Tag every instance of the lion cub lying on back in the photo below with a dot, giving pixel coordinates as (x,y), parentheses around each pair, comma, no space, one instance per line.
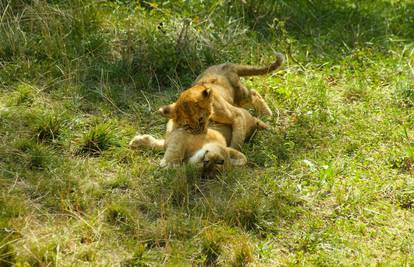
(209,148)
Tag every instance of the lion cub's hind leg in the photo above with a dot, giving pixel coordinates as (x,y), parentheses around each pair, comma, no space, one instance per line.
(148,141)
(260,104)
(251,98)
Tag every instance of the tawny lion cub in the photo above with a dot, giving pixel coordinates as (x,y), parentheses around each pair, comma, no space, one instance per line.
(209,148)
(217,95)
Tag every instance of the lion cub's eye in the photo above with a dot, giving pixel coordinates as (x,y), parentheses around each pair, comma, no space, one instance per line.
(220,162)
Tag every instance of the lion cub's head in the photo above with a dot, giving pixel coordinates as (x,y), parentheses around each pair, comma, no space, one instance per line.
(192,109)
(214,161)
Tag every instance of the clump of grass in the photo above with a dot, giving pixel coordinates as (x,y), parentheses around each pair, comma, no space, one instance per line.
(87,254)
(120,216)
(405,198)
(7,253)
(11,207)
(138,259)
(48,127)
(245,213)
(23,95)
(38,254)
(404,160)
(211,245)
(221,245)
(355,92)
(405,93)
(180,184)
(243,254)
(97,139)
(121,183)
(34,156)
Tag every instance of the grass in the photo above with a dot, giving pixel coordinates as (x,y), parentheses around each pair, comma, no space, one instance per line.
(331,184)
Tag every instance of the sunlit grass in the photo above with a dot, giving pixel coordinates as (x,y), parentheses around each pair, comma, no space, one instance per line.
(331,184)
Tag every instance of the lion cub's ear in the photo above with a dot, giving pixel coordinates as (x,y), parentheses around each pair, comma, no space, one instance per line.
(207,92)
(167,111)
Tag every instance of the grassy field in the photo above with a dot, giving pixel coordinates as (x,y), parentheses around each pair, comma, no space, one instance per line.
(331,184)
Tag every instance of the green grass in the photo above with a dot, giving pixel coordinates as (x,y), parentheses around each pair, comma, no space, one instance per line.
(332,184)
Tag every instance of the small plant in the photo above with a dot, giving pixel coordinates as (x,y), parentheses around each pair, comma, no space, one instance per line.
(355,92)
(404,160)
(97,139)
(243,254)
(120,182)
(138,259)
(35,156)
(405,94)
(245,212)
(120,216)
(211,246)
(24,94)
(48,127)
(405,198)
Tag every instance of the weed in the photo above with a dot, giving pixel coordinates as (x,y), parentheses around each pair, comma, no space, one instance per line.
(33,155)
(138,259)
(97,139)
(48,127)
(405,94)
(23,95)
(119,216)
(211,246)
(243,254)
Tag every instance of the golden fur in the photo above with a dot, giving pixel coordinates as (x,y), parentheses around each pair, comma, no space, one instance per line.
(218,95)
(209,149)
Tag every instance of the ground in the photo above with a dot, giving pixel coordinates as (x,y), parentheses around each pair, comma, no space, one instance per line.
(330,184)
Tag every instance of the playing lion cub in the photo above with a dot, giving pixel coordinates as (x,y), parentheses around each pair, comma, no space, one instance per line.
(209,148)
(217,95)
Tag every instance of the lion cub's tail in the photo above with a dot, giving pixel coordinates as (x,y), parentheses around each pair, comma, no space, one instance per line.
(246,70)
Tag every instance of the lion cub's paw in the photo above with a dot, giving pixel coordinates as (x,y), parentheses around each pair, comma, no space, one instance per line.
(144,140)
(163,163)
(267,111)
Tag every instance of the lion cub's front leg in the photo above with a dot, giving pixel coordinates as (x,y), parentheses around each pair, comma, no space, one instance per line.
(174,155)
(175,149)
(225,113)
(146,140)
(239,131)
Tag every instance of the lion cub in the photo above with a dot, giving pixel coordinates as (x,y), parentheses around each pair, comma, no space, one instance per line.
(217,95)
(181,146)
(216,158)
(209,148)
